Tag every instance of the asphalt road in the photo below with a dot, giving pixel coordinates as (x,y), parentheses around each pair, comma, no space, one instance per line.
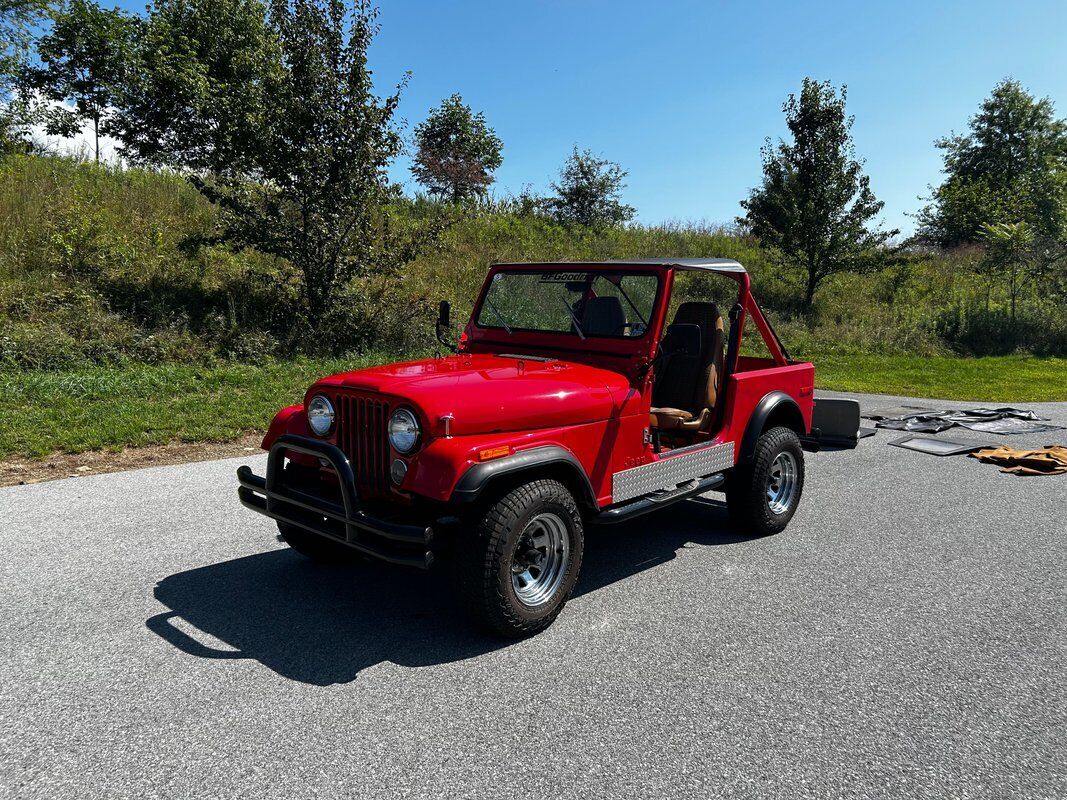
(905,637)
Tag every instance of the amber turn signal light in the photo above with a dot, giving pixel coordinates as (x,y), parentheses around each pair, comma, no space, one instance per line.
(493,452)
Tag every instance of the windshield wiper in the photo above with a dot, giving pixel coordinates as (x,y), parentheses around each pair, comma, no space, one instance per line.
(574,319)
(499,316)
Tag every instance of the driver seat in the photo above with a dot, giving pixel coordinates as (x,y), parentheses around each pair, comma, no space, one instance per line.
(685,393)
(603,316)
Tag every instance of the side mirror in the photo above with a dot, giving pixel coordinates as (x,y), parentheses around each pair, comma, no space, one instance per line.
(444,324)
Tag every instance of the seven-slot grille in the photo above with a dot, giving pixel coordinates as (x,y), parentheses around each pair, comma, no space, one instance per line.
(361,434)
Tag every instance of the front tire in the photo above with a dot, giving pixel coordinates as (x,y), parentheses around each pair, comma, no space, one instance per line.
(521,564)
(762,496)
(317,547)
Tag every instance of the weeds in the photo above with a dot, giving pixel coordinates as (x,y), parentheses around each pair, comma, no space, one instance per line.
(103,266)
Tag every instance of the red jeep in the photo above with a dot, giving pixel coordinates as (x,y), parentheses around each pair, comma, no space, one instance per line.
(578,393)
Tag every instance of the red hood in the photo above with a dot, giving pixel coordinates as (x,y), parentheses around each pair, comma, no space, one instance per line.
(487,393)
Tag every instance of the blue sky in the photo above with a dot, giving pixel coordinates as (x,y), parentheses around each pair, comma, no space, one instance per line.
(683,93)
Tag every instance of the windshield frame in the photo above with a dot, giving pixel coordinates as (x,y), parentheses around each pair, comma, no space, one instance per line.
(535,269)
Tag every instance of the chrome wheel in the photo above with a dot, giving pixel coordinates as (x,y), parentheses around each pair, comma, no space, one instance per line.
(782,483)
(540,561)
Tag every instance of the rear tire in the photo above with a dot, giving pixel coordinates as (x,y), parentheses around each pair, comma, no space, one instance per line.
(763,495)
(520,564)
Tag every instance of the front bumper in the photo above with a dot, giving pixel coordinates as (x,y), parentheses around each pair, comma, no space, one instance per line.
(345,522)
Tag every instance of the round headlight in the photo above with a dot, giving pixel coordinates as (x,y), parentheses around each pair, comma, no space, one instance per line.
(403,431)
(320,415)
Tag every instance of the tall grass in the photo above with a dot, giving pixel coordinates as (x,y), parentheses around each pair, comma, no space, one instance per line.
(46,203)
(99,266)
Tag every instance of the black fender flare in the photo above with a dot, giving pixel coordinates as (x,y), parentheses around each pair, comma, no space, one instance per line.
(472,482)
(777,403)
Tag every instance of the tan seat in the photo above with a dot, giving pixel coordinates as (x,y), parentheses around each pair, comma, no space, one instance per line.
(673,419)
(684,396)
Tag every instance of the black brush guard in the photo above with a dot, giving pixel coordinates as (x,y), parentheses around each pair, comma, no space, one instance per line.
(346,522)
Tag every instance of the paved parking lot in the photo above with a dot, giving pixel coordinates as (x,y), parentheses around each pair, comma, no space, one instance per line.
(905,637)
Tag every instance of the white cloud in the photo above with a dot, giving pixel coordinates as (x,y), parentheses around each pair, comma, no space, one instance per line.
(82,144)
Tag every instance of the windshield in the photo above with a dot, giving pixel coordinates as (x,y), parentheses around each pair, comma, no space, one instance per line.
(584,303)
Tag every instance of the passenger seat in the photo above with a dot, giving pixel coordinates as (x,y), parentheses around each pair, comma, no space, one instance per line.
(686,390)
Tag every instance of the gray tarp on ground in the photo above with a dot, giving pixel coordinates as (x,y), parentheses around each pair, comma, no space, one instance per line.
(987,420)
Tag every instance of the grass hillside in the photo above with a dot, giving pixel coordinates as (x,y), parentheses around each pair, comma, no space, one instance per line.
(101,266)
(117,327)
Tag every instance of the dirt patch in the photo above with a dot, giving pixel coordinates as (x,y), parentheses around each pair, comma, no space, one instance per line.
(15,471)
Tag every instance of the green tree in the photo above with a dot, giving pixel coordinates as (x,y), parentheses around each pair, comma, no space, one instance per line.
(589,192)
(197,98)
(18,21)
(85,60)
(320,194)
(456,152)
(1009,252)
(815,205)
(1010,167)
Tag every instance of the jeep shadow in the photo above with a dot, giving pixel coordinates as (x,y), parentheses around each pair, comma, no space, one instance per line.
(323,625)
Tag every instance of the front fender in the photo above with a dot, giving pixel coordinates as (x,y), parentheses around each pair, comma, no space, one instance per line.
(449,469)
(478,476)
(289,420)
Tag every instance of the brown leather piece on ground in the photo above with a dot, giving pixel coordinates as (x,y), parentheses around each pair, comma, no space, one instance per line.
(1049,460)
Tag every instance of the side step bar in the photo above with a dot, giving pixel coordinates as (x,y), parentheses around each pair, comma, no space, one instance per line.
(660,499)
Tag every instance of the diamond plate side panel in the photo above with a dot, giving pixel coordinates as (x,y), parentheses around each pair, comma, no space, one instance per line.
(670,471)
